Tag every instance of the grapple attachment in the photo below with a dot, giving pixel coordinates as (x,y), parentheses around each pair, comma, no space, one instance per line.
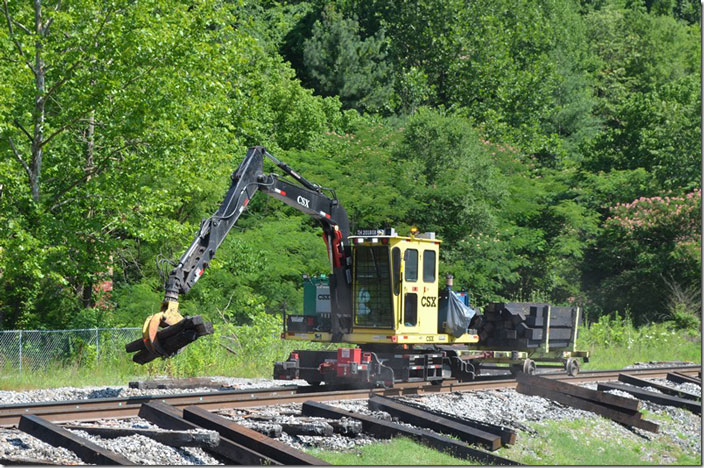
(165,334)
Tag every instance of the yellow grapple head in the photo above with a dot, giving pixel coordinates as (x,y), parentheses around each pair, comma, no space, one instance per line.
(166,317)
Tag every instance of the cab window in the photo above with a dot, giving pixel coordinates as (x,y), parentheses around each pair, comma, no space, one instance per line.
(429,266)
(372,270)
(396,263)
(411,258)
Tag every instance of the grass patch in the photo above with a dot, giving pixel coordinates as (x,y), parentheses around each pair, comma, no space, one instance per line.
(594,441)
(67,376)
(613,343)
(397,451)
(252,352)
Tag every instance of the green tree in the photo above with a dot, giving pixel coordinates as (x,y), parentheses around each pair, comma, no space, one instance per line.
(88,89)
(141,115)
(341,63)
(647,76)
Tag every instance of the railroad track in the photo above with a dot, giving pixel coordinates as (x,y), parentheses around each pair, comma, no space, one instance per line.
(116,408)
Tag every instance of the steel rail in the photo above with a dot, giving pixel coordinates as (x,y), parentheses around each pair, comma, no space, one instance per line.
(115,408)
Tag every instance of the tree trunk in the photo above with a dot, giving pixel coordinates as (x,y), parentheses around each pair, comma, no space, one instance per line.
(39,104)
(88,286)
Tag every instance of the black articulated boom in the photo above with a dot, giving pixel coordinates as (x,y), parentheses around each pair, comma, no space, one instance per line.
(165,333)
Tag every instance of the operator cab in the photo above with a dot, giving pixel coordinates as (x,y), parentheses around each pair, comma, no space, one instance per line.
(395,294)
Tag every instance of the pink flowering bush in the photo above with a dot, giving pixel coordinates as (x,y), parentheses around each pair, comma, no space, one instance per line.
(660,219)
(651,247)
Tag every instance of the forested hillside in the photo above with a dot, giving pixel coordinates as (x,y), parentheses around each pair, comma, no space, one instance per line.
(553,145)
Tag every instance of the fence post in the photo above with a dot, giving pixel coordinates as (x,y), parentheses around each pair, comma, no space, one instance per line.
(97,346)
(20,352)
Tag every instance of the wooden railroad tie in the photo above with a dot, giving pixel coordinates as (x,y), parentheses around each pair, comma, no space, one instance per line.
(508,436)
(169,417)
(629,379)
(659,398)
(25,461)
(386,430)
(437,423)
(57,436)
(193,382)
(306,426)
(678,377)
(619,409)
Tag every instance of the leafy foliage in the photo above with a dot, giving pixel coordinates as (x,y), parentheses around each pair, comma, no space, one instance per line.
(654,239)
(341,63)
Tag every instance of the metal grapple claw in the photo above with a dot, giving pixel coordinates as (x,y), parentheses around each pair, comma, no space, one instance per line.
(166,333)
(166,317)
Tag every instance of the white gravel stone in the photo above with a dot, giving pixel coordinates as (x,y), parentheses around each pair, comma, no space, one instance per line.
(651,364)
(17,444)
(685,430)
(694,389)
(145,451)
(241,383)
(503,407)
(87,393)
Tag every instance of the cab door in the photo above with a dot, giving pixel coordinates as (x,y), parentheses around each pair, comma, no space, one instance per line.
(410,289)
(428,289)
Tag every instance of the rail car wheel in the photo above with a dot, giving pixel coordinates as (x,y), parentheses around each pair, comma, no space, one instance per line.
(529,367)
(572,367)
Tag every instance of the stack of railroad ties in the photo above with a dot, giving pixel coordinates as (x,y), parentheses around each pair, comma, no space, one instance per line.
(523,325)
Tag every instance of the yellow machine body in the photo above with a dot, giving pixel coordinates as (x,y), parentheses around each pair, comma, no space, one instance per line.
(395,294)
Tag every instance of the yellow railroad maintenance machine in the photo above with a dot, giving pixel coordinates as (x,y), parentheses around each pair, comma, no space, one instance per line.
(382,296)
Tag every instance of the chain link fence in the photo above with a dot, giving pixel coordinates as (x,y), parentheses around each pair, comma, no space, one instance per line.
(31,350)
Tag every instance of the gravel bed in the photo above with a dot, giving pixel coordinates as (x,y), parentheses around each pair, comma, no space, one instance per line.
(335,443)
(17,444)
(650,364)
(694,389)
(288,414)
(139,449)
(683,426)
(127,423)
(87,393)
(142,450)
(504,407)
(240,383)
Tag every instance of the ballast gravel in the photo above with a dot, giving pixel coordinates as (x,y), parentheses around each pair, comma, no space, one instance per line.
(142,450)
(16,444)
(503,407)
(89,393)
(138,449)
(290,413)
